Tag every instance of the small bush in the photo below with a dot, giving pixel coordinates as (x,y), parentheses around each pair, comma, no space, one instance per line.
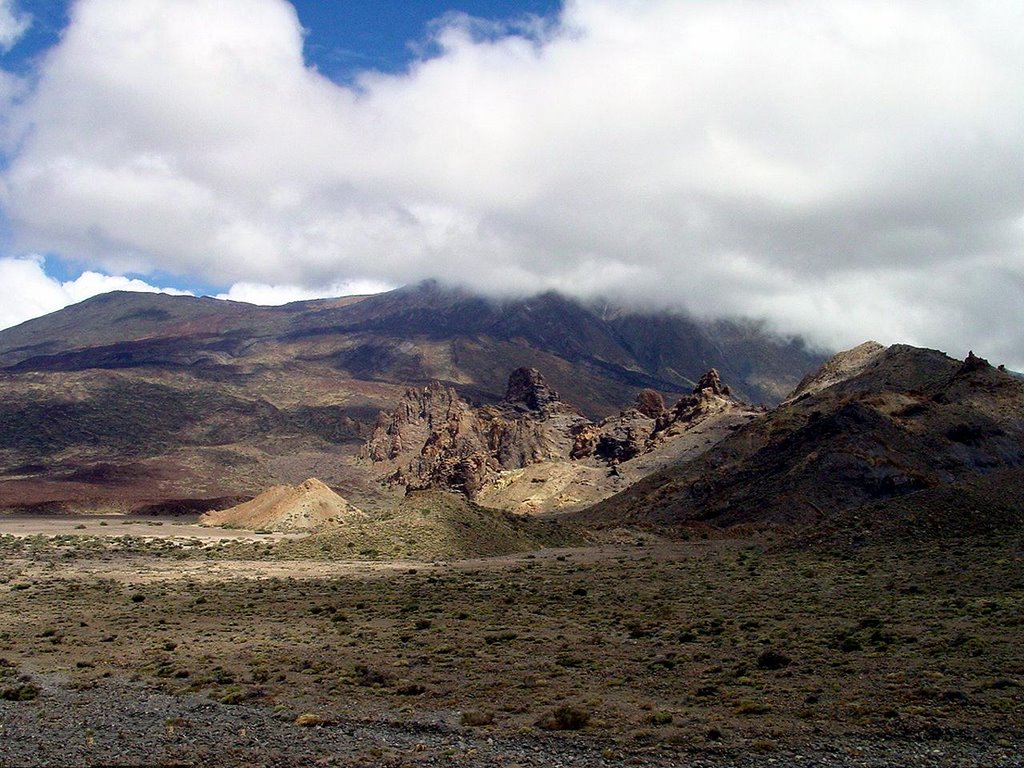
(748,707)
(772,659)
(565,718)
(475,718)
(369,677)
(310,719)
(20,692)
(660,718)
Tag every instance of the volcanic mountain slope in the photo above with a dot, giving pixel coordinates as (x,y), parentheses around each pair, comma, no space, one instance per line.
(534,453)
(872,424)
(306,507)
(414,335)
(141,399)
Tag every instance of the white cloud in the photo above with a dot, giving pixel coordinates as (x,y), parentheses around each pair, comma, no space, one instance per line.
(851,169)
(26,291)
(275,295)
(13,24)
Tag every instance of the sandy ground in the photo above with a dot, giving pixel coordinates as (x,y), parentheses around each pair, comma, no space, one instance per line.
(122,525)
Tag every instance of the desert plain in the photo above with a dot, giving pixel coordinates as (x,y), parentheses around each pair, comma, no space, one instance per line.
(156,641)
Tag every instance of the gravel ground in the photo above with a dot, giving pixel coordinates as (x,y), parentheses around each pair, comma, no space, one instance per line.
(121,724)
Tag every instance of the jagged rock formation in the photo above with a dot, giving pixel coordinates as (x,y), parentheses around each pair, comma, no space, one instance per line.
(309,506)
(638,429)
(872,424)
(527,389)
(436,439)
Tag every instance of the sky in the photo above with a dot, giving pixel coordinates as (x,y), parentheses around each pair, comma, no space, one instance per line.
(843,169)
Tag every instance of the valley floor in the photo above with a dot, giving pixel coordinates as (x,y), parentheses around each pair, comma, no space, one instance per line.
(708,653)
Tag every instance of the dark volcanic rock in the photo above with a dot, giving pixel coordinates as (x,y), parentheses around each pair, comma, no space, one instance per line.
(527,387)
(974,363)
(711,382)
(650,403)
(872,424)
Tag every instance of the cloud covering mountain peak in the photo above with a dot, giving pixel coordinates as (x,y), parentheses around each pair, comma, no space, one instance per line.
(846,169)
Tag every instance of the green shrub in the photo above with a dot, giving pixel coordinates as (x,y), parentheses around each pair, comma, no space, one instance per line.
(20,692)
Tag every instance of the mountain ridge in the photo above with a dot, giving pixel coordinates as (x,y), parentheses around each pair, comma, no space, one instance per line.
(901,420)
(190,397)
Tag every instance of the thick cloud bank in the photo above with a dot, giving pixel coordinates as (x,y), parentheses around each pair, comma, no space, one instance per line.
(848,169)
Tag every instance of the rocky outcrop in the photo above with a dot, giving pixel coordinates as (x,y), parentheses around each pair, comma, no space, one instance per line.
(650,403)
(435,439)
(637,430)
(711,382)
(973,363)
(527,388)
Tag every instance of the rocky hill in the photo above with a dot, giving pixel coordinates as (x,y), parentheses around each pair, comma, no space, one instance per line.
(873,424)
(127,400)
(532,452)
(310,506)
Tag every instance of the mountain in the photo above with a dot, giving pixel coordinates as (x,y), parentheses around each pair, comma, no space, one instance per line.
(597,355)
(128,400)
(873,424)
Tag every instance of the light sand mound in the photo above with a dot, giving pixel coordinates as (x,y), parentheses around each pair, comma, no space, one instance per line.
(306,507)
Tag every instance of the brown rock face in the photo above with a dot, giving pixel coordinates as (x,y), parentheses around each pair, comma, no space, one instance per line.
(585,442)
(650,403)
(622,444)
(421,413)
(527,387)
(436,439)
(711,382)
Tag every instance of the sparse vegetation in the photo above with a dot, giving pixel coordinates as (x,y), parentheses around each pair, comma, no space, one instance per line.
(565,718)
(673,643)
